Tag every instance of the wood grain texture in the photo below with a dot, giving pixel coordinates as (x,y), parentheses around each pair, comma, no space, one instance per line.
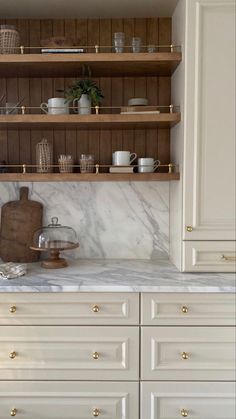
(41,80)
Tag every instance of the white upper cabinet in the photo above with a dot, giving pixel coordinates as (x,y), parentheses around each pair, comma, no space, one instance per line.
(209,155)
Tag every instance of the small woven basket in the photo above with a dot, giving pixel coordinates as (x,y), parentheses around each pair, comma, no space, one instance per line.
(9,41)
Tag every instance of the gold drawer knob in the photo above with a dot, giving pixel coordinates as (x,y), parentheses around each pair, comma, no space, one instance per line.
(185,355)
(96,355)
(184,413)
(184,309)
(13,412)
(189,229)
(12,309)
(96,413)
(96,309)
(12,355)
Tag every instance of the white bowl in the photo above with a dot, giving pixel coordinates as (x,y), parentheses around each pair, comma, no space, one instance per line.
(136,101)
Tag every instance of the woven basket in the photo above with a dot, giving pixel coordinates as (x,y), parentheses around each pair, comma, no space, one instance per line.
(9,40)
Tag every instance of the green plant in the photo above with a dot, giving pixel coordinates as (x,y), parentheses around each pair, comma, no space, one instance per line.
(87,87)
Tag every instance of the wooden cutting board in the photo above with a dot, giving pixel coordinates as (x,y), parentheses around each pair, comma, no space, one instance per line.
(19,220)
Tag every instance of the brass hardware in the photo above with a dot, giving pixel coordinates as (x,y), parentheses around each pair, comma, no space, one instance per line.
(22,49)
(12,355)
(96,413)
(97,110)
(170,166)
(24,169)
(184,413)
(96,48)
(97,169)
(13,412)
(96,309)
(185,355)
(189,229)
(228,258)
(171,108)
(23,110)
(184,309)
(172,48)
(12,309)
(95,355)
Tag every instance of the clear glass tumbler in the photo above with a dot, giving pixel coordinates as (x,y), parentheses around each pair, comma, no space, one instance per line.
(136,44)
(118,41)
(86,163)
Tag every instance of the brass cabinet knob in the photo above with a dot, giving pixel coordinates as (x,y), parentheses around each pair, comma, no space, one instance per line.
(96,309)
(184,309)
(12,309)
(96,413)
(13,412)
(12,355)
(96,355)
(185,355)
(184,413)
(189,229)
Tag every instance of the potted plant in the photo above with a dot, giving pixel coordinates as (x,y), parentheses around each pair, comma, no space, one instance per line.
(84,93)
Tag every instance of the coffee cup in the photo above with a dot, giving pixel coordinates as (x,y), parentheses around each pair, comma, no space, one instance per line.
(123,158)
(147,165)
(55,106)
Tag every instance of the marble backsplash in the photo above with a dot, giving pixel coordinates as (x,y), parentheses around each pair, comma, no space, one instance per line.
(117,220)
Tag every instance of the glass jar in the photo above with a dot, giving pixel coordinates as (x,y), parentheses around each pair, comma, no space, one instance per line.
(44,157)
(86,163)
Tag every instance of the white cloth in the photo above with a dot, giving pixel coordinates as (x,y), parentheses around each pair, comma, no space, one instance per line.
(12,270)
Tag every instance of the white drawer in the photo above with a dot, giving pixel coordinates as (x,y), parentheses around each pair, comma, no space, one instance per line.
(69,400)
(69,353)
(192,400)
(188,353)
(188,309)
(209,256)
(69,308)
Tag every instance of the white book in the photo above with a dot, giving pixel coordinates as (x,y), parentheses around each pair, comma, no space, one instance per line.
(121,169)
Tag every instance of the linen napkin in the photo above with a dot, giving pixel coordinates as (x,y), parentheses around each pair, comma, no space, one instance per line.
(12,270)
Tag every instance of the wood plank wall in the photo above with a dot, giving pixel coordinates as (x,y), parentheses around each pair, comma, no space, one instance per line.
(19,146)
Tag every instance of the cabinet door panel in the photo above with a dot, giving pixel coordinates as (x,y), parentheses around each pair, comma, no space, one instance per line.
(53,400)
(206,256)
(188,309)
(69,308)
(194,400)
(69,353)
(188,353)
(209,176)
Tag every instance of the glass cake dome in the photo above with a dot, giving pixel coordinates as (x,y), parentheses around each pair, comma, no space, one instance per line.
(54,238)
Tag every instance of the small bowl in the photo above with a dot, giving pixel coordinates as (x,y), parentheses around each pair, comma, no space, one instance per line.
(138,101)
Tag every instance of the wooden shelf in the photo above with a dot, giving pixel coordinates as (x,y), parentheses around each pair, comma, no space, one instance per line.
(89,177)
(105,121)
(101,64)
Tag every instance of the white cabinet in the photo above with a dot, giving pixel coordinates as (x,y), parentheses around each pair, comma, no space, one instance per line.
(95,368)
(209,161)
(69,353)
(69,308)
(188,309)
(69,400)
(188,353)
(186,358)
(203,207)
(170,400)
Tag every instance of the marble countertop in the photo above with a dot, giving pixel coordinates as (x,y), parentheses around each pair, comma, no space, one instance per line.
(93,275)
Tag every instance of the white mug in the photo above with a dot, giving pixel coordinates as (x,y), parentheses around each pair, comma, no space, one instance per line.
(123,158)
(55,106)
(147,165)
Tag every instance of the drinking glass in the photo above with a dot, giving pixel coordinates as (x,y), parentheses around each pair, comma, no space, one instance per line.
(136,44)
(86,163)
(119,41)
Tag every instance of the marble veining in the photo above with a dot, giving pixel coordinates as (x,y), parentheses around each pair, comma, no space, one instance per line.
(121,220)
(118,276)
